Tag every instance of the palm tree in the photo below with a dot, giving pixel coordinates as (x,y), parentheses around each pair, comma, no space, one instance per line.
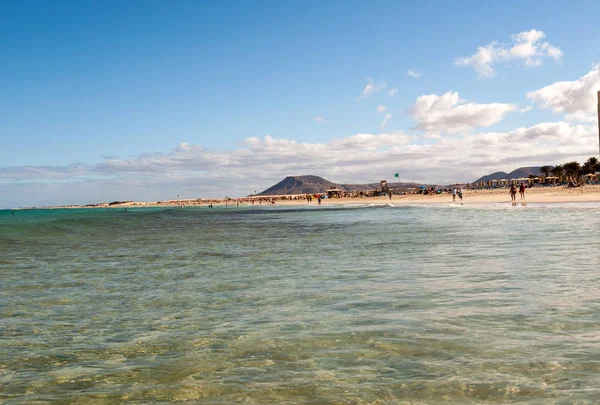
(558,171)
(591,166)
(572,171)
(545,170)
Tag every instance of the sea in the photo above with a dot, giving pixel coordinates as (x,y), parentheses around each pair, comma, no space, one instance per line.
(358,304)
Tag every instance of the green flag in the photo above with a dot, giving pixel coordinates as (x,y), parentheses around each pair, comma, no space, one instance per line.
(397,175)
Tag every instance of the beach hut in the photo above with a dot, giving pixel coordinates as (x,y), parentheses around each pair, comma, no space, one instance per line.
(334,193)
(384,186)
(588,178)
(525,180)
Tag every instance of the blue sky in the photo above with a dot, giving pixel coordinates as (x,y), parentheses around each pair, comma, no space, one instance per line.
(146,100)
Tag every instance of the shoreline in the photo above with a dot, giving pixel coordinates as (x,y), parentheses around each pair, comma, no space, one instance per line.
(585,194)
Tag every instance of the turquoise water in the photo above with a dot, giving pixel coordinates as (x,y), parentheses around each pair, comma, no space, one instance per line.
(486,304)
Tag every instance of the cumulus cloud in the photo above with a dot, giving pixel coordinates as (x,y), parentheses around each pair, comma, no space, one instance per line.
(319,119)
(385,119)
(392,92)
(370,142)
(576,99)
(448,113)
(414,74)
(371,88)
(527,46)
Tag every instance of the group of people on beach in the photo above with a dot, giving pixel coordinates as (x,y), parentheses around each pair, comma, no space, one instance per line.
(309,198)
(513,191)
(456,191)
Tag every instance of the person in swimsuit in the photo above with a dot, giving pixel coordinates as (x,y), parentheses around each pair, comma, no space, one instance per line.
(513,192)
(522,191)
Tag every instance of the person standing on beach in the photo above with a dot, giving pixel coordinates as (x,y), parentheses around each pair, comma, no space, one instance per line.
(460,193)
(454,194)
(513,192)
(522,191)
(390,194)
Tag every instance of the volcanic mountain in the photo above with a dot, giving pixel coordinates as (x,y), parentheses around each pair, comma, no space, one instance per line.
(316,184)
(515,174)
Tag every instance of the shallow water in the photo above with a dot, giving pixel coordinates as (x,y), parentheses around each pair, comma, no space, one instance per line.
(449,304)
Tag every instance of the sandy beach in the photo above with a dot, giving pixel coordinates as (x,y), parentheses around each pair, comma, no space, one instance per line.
(589,193)
(558,194)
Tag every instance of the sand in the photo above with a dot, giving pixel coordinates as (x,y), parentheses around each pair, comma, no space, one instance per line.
(589,193)
(558,194)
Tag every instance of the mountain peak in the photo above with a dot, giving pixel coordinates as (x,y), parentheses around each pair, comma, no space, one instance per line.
(307,184)
(515,174)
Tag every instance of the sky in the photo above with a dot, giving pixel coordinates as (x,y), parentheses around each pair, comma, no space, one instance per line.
(151,100)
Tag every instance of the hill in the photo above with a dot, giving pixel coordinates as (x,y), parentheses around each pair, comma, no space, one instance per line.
(515,174)
(315,184)
(300,185)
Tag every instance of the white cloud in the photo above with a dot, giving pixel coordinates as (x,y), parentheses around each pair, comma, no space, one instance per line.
(385,119)
(525,109)
(576,99)
(381,108)
(526,46)
(184,146)
(319,119)
(412,73)
(448,113)
(194,171)
(392,92)
(370,142)
(371,88)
